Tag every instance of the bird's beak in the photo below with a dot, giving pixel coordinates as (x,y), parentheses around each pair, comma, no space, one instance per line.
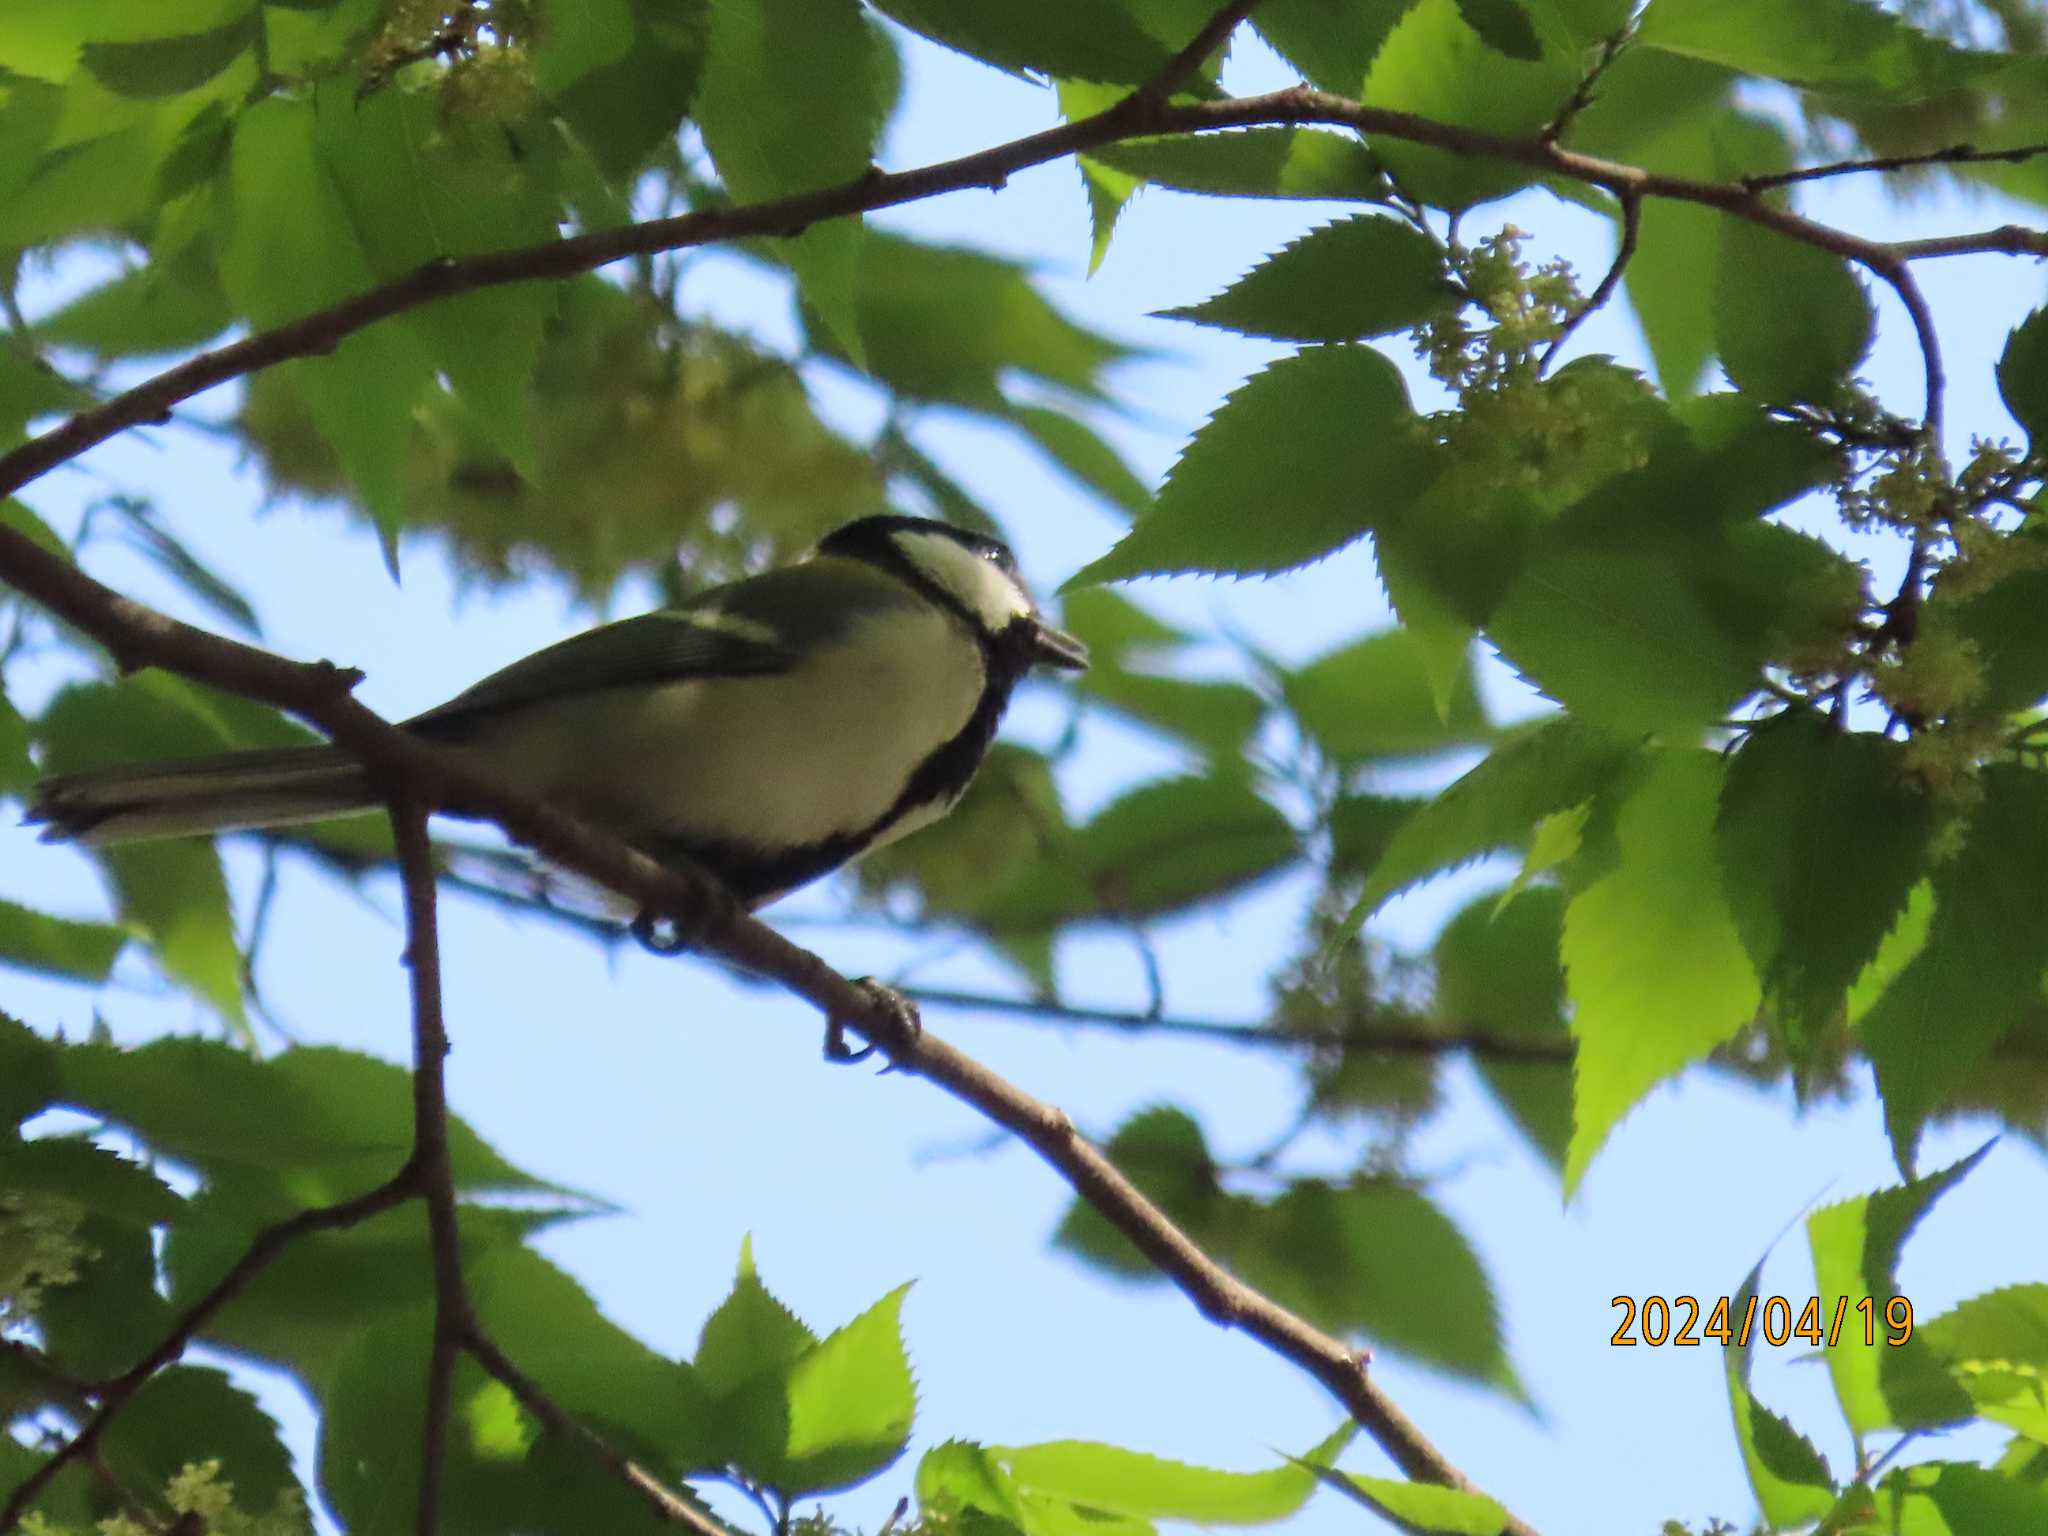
(1053,647)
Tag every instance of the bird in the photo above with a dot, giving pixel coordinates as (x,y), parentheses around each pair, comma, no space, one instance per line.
(767,731)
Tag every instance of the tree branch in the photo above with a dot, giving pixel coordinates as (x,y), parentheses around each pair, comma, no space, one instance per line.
(1955,154)
(1136,116)
(1631,232)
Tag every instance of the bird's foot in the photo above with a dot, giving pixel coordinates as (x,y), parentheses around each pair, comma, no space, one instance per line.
(659,935)
(903,1014)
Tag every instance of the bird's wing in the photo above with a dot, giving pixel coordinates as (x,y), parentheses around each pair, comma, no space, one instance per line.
(725,632)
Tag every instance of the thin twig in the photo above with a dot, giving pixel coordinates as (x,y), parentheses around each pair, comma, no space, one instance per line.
(430,1147)
(664,1502)
(1183,65)
(1955,154)
(1582,98)
(269,1243)
(1631,232)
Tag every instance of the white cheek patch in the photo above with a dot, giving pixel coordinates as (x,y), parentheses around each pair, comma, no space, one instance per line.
(987,591)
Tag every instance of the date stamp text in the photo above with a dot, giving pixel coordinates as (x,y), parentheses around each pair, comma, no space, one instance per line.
(1777,1320)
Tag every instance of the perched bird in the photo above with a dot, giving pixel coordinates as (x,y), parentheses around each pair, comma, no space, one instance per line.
(769,730)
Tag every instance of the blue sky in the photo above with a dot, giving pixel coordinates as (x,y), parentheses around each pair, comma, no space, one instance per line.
(701,1107)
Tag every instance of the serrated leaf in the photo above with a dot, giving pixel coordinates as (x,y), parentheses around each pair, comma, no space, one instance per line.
(1856,1245)
(1497,804)
(111,1315)
(1790,321)
(1253,162)
(1981,965)
(1504,27)
(62,946)
(1362,828)
(1995,1346)
(1813,892)
(1424,1506)
(185,1415)
(2007,624)
(1789,1477)
(1374,699)
(958,1475)
(750,1335)
(1655,967)
(1498,973)
(791,99)
(1360,277)
(851,1403)
(88,1176)
(1331,46)
(1332,424)
(2023,375)
(288,250)
(1434,64)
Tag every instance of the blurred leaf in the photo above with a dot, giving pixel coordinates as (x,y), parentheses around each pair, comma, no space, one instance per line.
(1216,717)
(1113,627)
(1504,27)
(110,1316)
(1838,45)
(302,41)
(1856,1245)
(89,1177)
(64,947)
(1085,454)
(1162,1151)
(1253,162)
(288,249)
(1372,699)
(1424,1506)
(169,66)
(2006,624)
(1974,1501)
(2023,375)
(1498,974)
(1433,64)
(1331,424)
(792,99)
(17,768)
(186,1415)
(1109,1478)
(1981,967)
(1995,1346)
(28,1071)
(1362,828)
(1656,967)
(30,388)
(958,1475)
(1790,321)
(1558,764)
(1360,277)
(146,311)
(1811,889)
(1789,1477)
(165,551)
(631,108)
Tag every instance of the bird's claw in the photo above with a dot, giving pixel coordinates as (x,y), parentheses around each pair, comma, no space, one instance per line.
(903,1014)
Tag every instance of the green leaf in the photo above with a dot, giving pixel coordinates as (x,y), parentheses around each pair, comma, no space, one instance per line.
(791,100)
(111,1315)
(1379,1258)
(1656,968)
(579,40)
(1789,1477)
(958,1475)
(289,249)
(1504,27)
(1812,890)
(1254,162)
(1373,699)
(1121,1482)
(145,312)
(170,66)
(1162,1151)
(2007,624)
(2023,375)
(851,1403)
(1216,717)
(1362,828)
(1331,424)
(1363,276)
(1424,1506)
(1497,805)
(1835,45)
(1996,1348)
(750,1335)
(1790,321)
(1062,38)
(624,111)
(1331,46)
(949,324)
(1623,640)
(1981,967)
(89,1177)
(1083,453)
(62,946)
(186,1415)
(28,1071)
(1975,1501)
(419,188)
(1856,1244)
(29,388)
(1435,65)
(165,551)
(1498,974)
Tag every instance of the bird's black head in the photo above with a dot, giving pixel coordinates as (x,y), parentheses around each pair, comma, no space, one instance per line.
(968,573)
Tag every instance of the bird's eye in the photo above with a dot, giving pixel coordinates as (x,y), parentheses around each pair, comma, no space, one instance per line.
(992,556)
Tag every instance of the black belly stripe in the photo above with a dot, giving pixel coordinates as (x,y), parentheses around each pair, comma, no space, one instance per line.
(756,875)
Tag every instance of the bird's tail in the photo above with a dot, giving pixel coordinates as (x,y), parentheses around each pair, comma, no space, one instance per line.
(231,792)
